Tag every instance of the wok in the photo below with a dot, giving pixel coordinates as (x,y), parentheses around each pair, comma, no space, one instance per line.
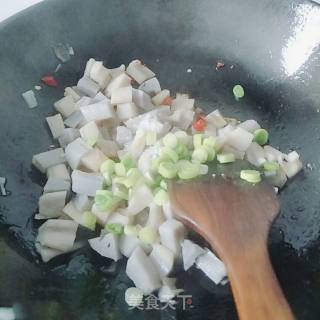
(271,47)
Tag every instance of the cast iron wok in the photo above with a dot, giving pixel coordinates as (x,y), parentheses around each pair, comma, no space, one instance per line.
(271,47)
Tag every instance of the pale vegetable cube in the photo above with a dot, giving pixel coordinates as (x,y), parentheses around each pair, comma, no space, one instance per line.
(71,211)
(124,135)
(138,144)
(88,86)
(250,125)
(156,216)
(102,216)
(216,118)
(172,233)
(119,218)
(142,272)
(68,135)
(190,252)
(139,72)
(291,168)
(117,71)
(102,110)
(51,204)
(43,161)
(56,125)
(128,244)
(58,234)
(72,93)
(151,87)
(88,67)
(82,202)
(140,199)
(56,184)
(121,95)
(182,103)
(256,155)
(122,80)
(100,74)
(274,154)
(108,147)
(58,171)
(213,267)
(142,100)
(163,258)
(239,139)
(65,106)
(86,183)
(90,133)
(127,111)
(93,159)
(30,99)
(160,97)
(107,246)
(75,151)
(75,119)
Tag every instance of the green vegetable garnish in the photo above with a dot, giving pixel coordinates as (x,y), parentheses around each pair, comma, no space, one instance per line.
(226,158)
(238,91)
(115,228)
(89,220)
(261,136)
(252,176)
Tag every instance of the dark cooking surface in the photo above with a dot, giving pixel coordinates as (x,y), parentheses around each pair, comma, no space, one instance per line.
(273,47)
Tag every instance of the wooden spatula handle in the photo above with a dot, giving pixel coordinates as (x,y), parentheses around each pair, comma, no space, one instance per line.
(255,287)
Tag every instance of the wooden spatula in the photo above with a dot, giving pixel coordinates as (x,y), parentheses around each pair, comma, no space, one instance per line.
(235,219)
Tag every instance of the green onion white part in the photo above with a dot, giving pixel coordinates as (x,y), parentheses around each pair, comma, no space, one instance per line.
(120,148)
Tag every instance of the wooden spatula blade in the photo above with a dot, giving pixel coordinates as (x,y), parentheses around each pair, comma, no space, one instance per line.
(235,219)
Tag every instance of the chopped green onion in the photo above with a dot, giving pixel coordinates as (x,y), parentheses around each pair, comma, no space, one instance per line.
(210,142)
(128,161)
(105,200)
(168,154)
(226,158)
(115,228)
(197,140)
(181,136)
(164,185)
(148,234)
(107,178)
(261,136)
(121,192)
(182,151)
(271,166)
(170,140)
(167,169)
(107,166)
(130,230)
(151,138)
(133,175)
(200,154)
(119,180)
(238,91)
(161,197)
(211,152)
(252,176)
(120,169)
(89,220)
(188,170)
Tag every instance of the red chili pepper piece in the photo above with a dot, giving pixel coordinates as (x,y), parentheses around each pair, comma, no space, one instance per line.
(167,101)
(50,81)
(199,125)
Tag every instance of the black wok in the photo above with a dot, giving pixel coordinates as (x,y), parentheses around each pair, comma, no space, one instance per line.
(271,47)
